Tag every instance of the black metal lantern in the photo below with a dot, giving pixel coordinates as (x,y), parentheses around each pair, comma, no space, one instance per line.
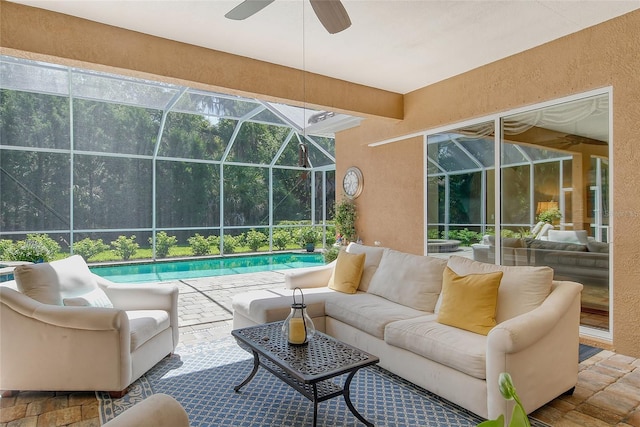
(298,327)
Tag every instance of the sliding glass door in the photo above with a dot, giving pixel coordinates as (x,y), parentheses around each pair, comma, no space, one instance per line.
(553,194)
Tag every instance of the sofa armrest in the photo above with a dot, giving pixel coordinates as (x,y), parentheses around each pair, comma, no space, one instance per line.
(539,349)
(62,348)
(520,332)
(151,296)
(82,318)
(314,277)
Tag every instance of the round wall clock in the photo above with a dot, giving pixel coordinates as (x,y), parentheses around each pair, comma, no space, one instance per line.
(352,182)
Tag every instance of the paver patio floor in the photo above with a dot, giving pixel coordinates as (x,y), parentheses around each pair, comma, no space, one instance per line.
(607,393)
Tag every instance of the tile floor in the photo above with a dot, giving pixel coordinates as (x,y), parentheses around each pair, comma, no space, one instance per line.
(607,393)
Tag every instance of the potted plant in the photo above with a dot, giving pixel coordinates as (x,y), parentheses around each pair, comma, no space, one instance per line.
(550,215)
(345,219)
(309,236)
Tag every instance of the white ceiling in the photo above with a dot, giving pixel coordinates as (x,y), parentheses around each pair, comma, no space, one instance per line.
(397,45)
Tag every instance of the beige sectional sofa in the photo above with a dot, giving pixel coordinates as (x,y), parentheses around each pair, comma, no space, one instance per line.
(395,315)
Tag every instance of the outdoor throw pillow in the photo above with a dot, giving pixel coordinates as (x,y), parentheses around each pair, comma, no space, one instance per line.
(95,298)
(523,288)
(347,272)
(371,262)
(407,279)
(469,302)
(50,282)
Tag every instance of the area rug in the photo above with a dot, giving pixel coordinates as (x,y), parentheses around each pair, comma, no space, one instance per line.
(202,380)
(587,351)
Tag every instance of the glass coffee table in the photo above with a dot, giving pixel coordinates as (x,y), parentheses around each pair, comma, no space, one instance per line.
(309,369)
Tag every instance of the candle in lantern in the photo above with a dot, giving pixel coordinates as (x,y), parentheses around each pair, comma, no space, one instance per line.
(296,330)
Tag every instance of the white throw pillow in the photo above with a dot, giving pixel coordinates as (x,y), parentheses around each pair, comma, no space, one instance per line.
(371,262)
(522,288)
(95,298)
(411,280)
(568,236)
(50,283)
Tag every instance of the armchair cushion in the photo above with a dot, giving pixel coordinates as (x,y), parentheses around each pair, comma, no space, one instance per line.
(94,298)
(145,324)
(50,283)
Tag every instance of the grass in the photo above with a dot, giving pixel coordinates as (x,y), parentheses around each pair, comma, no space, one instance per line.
(174,252)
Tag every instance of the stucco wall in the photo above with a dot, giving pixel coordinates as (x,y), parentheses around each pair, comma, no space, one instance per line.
(601,56)
(391,206)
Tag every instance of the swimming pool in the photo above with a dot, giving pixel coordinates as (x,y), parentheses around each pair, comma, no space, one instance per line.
(191,269)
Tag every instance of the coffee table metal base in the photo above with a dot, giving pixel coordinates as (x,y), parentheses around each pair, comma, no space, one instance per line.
(316,392)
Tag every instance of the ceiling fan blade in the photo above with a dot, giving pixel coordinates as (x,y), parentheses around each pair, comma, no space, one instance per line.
(331,14)
(247,8)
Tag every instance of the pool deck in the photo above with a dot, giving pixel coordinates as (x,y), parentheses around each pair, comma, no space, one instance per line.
(607,393)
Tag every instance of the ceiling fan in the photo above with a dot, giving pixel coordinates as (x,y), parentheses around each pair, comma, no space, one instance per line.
(331,13)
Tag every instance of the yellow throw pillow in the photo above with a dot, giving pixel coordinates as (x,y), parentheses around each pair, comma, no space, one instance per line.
(469,302)
(347,272)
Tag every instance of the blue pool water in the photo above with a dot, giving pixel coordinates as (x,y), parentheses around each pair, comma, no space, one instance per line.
(191,269)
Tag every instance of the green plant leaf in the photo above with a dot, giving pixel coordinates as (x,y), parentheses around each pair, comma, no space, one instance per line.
(519,417)
(498,422)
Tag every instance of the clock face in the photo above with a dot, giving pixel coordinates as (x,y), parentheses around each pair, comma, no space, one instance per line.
(352,182)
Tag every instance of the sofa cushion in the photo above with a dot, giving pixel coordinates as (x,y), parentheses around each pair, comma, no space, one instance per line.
(347,272)
(411,280)
(506,242)
(555,246)
(371,262)
(469,302)
(268,305)
(521,290)
(146,324)
(459,349)
(367,312)
(50,283)
(598,247)
(568,236)
(94,298)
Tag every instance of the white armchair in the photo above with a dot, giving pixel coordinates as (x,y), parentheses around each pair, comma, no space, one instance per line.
(64,328)
(158,410)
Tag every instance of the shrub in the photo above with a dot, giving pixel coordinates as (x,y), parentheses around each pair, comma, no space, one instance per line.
(200,245)
(433,233)
(5,245)
(241,239)
(52,246)
(281,238)
(214,241)
(331,253)
(88,248)
(466,236)
(308,235)
(230,243)
(163,243)
(125,247)
(29,250)
(255,239)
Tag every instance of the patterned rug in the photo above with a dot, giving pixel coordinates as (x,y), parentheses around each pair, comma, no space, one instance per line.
(587,351)
(202,380)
